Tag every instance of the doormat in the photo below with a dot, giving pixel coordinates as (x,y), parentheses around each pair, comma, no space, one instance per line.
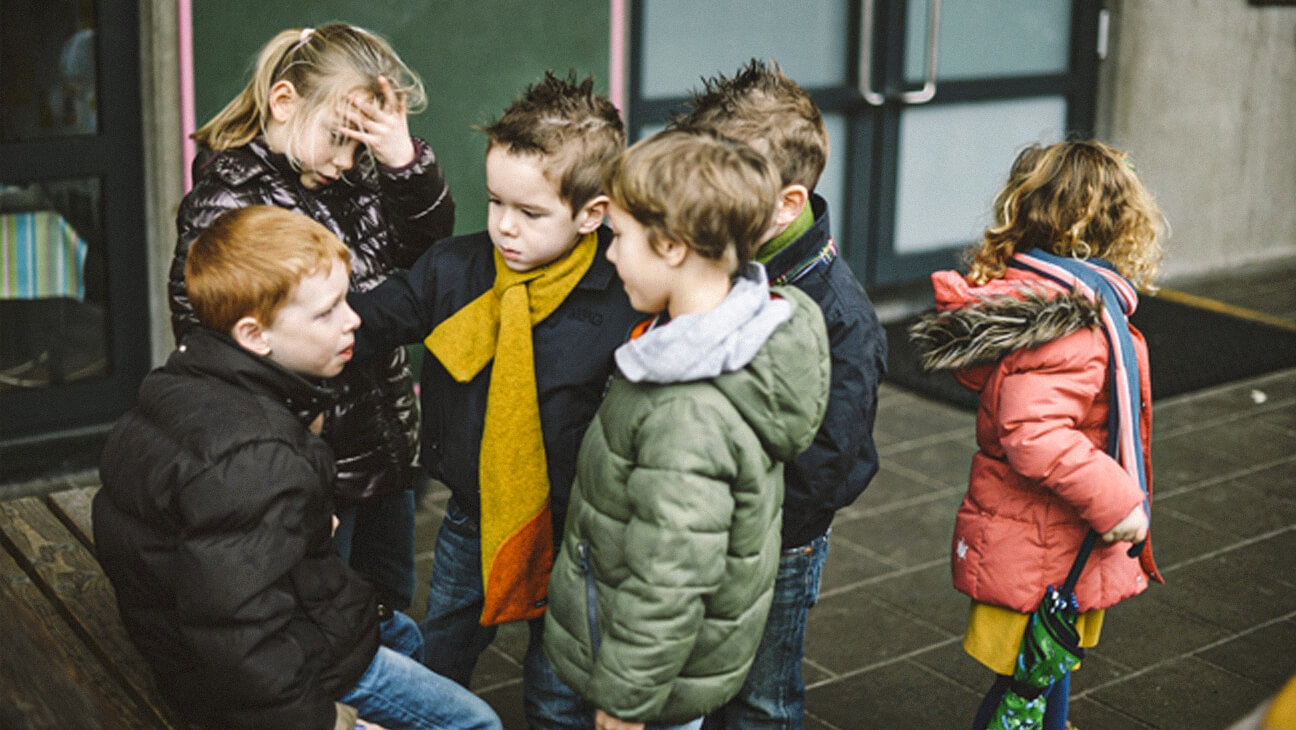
(1193,343)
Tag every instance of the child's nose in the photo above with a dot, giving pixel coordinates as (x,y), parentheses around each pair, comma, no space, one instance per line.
(508,223)
(352,321)
(345,157)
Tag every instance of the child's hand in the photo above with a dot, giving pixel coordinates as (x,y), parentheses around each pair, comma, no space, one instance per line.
(384,130)
(604,721)
(1133,528)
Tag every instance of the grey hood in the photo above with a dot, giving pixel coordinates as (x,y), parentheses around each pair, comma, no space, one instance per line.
(707,344)
(765,350)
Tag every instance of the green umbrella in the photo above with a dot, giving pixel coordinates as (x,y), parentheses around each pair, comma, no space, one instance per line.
(1050,648)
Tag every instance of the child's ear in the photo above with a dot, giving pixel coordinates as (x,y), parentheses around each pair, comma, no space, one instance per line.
(673,251)
(591,215)
(791,201)
(251,336)
(283,100)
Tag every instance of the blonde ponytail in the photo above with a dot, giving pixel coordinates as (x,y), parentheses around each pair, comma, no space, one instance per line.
(245,117)
(324,65)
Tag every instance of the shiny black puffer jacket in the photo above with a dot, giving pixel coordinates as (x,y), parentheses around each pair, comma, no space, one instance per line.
(387,218)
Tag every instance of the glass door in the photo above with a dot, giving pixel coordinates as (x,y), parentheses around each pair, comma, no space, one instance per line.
(926,101)
(74,338)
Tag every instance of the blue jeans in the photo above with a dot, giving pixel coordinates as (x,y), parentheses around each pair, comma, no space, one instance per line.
(376,537)
(400,693)
(454,638)
(773,696)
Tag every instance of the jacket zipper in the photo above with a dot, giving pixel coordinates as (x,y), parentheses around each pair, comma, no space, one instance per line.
(591,596)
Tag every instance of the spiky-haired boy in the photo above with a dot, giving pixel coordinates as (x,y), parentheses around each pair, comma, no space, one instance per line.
(520,322)
(764,108)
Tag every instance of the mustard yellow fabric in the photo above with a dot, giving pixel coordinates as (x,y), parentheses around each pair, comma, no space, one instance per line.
(994,634)
(513,471)
(1282,713)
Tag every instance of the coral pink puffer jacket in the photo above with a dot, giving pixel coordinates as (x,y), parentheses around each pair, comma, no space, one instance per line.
(1042,477)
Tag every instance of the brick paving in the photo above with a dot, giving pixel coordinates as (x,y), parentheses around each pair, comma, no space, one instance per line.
(883,645)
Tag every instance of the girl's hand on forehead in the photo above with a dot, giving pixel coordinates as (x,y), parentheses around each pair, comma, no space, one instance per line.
(384,130)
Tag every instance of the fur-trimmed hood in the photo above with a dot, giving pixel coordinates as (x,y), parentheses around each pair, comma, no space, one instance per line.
(980,325)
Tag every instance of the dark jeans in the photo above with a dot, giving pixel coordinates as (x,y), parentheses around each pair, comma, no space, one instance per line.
(376,537)
(773,696)
(454,638)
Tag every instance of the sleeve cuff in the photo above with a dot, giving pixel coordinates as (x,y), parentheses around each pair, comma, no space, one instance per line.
(346,717)
(421,151)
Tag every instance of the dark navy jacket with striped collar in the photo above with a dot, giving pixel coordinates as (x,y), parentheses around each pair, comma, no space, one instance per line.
(843,459)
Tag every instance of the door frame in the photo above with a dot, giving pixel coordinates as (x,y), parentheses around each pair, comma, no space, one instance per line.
(115,155)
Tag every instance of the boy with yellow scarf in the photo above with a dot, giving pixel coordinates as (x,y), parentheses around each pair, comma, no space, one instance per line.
(520,322)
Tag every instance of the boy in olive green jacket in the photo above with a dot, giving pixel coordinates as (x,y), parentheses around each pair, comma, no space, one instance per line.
(661,588)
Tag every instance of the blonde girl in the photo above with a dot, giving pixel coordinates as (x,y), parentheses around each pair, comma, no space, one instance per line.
(1039,328)
(322,129)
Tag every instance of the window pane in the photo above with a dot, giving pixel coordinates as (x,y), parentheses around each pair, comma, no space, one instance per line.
(832,183)
(52,284)
(48,86)
(989,38)
(685,40)
(954,157)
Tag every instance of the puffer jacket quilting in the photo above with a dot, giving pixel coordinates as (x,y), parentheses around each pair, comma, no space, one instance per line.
(682,533)
(213,525)
(1041,477)
(387,219)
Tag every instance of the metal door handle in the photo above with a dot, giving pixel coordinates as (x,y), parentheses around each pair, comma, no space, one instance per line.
(928,90)
(866,58)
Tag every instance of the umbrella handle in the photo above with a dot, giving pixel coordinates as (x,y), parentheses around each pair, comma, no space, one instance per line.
(1077,567)
(1086,547)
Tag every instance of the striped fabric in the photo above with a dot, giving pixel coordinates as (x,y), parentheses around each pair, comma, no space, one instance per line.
(1096,280)
(40,256)
(824,255)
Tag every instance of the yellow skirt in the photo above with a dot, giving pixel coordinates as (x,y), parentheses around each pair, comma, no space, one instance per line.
(994,634)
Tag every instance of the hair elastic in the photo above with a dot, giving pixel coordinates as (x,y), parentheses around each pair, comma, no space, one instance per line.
(306,34)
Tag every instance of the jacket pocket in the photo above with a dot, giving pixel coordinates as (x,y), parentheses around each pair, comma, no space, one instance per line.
(591,596)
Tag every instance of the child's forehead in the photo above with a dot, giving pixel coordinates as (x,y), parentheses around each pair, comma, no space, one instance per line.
(321,283)
(504,164)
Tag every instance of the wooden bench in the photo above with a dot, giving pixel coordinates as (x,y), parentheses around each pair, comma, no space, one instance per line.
(65,659)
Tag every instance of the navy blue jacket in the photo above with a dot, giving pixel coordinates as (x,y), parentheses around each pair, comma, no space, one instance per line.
(572,349)
(842,460)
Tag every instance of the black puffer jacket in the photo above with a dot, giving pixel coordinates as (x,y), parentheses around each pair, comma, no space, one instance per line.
(387,219)
(214,526)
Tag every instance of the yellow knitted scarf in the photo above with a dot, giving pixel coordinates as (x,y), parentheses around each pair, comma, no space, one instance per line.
(516,528)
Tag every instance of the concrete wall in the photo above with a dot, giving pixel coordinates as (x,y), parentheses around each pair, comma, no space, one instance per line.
(1202,94)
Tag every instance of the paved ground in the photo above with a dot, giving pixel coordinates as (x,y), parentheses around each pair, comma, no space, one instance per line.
(1197,653)
(883,646)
